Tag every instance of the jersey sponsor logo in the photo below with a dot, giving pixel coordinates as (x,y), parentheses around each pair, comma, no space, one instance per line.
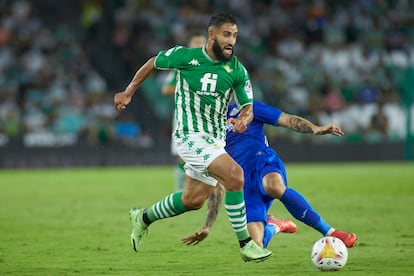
(194,62)
(249,90)
(207,93)
(208,85)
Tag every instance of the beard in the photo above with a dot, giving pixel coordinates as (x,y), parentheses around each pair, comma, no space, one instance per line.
(218,52)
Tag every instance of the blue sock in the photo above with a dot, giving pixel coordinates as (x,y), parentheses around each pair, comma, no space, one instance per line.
(269,232)
(322,227)
(298,207)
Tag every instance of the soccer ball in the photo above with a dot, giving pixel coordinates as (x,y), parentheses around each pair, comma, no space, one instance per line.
(329,253)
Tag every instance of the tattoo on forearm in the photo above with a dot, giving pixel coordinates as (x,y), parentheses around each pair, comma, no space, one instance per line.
(214,203)
(300,125)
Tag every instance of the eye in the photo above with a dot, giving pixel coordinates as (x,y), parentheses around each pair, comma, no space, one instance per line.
(226,34)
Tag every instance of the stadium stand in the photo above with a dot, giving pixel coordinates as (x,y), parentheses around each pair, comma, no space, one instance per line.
(330,61)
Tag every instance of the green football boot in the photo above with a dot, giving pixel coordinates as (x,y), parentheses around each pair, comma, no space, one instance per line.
(138,227)
(251,252)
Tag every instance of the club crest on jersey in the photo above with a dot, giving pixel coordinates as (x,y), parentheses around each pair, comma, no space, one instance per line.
(234,111)
(227,68)
(248,89)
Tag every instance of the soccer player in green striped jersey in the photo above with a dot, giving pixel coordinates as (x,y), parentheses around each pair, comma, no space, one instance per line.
(208,78)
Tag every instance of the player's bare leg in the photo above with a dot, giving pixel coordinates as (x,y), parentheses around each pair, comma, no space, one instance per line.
(256,230)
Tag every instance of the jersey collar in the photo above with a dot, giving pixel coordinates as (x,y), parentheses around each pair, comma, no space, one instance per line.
(204,49)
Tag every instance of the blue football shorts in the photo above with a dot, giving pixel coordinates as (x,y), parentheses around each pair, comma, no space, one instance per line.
(257,201)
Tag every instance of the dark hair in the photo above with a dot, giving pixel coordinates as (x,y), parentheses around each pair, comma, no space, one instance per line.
(221,18)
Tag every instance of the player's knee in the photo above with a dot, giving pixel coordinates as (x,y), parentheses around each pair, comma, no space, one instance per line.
(277,190)
(273,185)
(235,180)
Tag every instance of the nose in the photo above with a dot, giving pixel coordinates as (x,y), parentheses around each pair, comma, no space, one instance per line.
(231,40)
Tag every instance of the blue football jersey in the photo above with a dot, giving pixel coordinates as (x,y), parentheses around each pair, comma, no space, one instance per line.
(242,147)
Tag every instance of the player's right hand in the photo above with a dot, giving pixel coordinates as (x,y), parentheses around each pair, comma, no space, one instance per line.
(121,100)
(197,237)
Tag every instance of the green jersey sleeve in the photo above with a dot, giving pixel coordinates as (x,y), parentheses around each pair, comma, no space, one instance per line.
(170,59)
(243,89)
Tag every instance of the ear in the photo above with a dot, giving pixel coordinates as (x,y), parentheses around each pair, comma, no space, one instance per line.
(211,32)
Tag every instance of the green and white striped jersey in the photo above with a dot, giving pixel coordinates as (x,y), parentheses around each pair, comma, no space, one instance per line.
(204,89)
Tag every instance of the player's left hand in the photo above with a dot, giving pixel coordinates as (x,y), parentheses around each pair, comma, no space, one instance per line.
(197,237)
(328,129)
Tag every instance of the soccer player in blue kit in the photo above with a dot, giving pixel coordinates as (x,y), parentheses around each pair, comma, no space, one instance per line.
(265,178)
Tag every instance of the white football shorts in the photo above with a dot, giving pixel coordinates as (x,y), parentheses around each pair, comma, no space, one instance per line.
(198,150)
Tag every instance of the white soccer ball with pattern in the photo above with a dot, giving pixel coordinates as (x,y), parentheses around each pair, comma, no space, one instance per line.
(329,253)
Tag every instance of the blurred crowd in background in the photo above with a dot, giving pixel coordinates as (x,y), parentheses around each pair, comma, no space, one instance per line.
(344,62)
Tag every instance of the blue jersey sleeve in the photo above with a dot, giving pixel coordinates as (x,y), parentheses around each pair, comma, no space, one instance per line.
(243,147)
(265,113)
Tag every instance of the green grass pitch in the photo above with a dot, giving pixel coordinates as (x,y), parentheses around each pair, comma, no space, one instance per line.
(75,222)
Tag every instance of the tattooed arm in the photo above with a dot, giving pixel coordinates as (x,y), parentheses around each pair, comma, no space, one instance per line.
(214,203)
(300,124)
